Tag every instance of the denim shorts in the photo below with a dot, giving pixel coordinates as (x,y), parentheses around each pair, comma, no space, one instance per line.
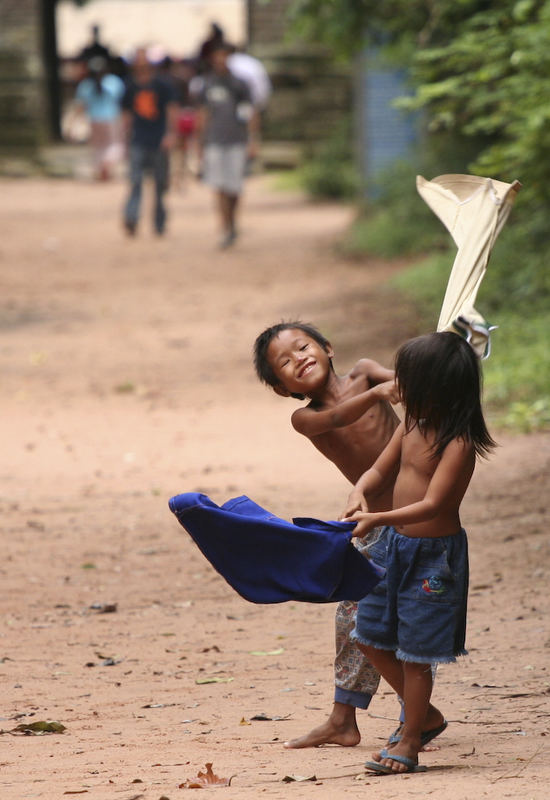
(418,609)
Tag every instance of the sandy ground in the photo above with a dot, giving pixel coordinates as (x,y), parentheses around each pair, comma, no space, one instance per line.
(126,379)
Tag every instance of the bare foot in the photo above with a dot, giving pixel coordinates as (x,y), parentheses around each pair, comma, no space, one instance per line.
(346,735)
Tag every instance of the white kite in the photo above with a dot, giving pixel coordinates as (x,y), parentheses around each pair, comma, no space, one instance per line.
(474,210)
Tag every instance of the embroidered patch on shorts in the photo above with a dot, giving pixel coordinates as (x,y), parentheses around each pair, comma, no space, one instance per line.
(433,585)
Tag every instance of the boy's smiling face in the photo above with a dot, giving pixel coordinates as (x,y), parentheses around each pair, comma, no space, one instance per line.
(300,364)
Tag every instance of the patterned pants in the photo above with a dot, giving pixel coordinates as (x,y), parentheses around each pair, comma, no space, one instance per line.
(355,679)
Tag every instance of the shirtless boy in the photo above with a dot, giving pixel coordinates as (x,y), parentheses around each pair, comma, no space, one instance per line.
(349,419)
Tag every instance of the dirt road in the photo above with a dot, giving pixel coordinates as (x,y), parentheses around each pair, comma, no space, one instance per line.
(127,378)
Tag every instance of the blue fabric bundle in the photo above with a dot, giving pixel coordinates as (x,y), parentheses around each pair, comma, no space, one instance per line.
(269,560)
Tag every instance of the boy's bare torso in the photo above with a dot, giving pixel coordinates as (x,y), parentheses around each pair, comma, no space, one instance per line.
(355,447)
(447,477)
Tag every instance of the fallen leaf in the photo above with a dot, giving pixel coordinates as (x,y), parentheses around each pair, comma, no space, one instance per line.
(276,652)
(39,727)
(244,722)
(213,680)
(298,778)
(204,780)
(124,388)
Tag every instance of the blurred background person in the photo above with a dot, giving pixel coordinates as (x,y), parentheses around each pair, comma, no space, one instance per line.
(254,74)
(95,48)
(212,42)
(99,96)
(251,70)
(183,72)
(227,129)
(150,117)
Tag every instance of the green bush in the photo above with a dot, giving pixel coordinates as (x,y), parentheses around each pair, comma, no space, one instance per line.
(330,179)
(397,223)
(425,283)
(389,233)
(518,275)
(517,374)
(515,293)
(330,172)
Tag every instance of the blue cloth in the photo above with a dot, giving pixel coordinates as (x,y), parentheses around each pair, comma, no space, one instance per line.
(269,560)
(104,105)
(418,609)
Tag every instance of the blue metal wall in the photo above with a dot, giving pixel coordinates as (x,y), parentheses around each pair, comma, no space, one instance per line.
(384,134)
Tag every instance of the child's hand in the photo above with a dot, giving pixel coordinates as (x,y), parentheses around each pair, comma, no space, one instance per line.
(388,391)
(356,502)
(365,522)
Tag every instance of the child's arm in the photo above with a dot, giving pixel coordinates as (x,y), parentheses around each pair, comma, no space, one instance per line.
(312,423)
(374,372)
(384,469)
(439,495)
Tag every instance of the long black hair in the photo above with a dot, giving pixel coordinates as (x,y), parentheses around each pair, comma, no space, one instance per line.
(261,363)
(97,68)
(439,380)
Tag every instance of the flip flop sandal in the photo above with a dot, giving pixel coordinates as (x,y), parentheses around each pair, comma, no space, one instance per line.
(411,764)
(425,736)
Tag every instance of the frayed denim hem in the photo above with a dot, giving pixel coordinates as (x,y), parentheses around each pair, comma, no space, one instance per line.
(433,660)
(354,636)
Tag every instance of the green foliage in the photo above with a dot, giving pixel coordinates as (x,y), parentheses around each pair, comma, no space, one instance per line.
(325,179)
(330,173)
(491,81)
(402,25)
(390,233)
(479,69)
(479,72)
(517,374)
(286,180)
(398,223)
(425,283)
(517,274)
(527,417)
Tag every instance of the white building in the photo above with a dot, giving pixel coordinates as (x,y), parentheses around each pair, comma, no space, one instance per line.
(175,27)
